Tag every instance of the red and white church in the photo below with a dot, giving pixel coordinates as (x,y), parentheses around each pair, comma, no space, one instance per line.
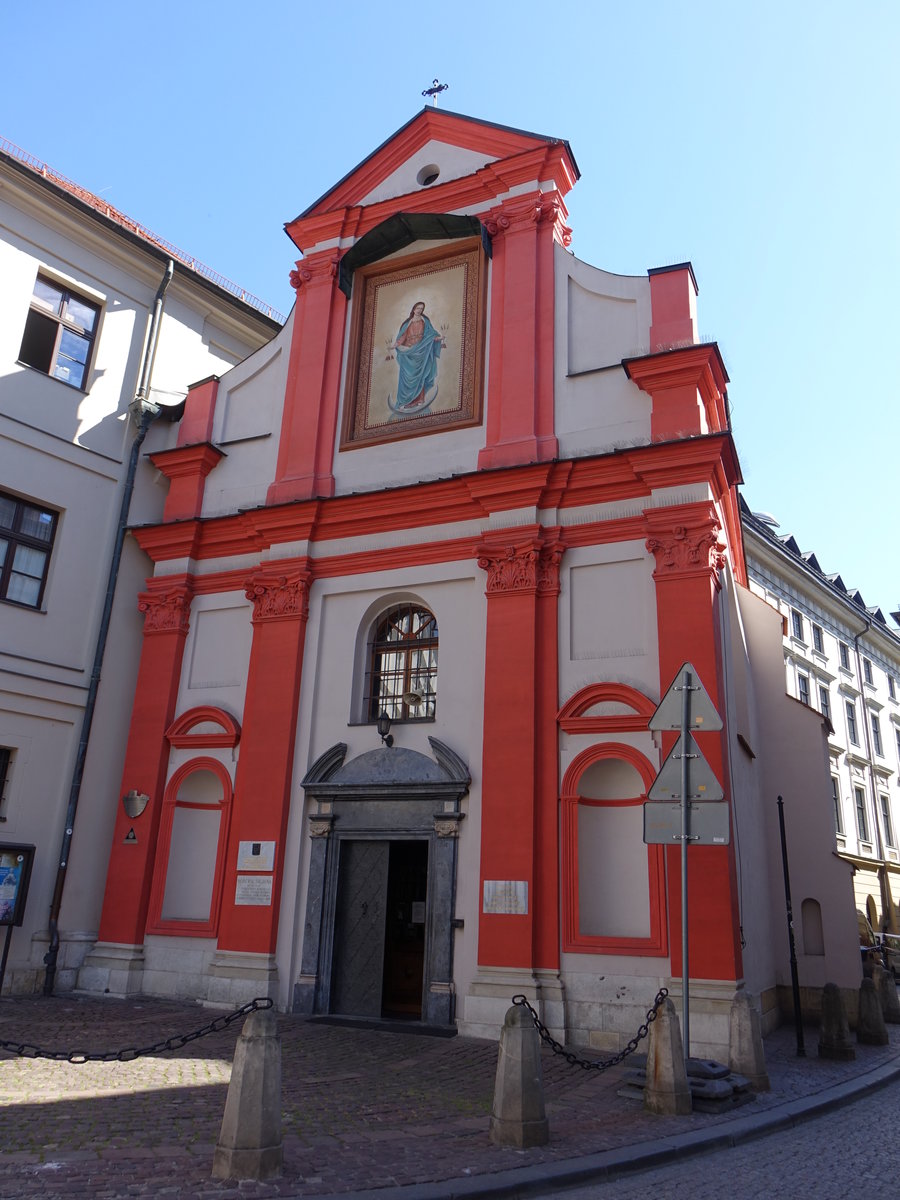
(427,562)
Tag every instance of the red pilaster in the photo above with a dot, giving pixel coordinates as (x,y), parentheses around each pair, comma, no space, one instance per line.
(186,468)
(687,388)
(166,608)
(262,788)
(309,421)
(520,427)
(519,779)
(685,541)
(199,409)
(673,307)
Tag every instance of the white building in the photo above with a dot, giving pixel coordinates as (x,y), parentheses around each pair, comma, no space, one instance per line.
(842,659)
(81,283)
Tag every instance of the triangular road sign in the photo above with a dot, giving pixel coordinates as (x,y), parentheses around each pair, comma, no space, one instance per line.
(702,713)
(702,783)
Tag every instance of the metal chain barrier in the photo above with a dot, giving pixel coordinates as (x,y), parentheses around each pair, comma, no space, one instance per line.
(590,1064)
(25,1050)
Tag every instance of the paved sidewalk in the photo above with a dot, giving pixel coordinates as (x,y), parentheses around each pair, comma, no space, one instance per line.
(365,1111)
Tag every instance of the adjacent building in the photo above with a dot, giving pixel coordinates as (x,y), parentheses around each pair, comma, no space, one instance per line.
(842,659)
(105,326)
(427,561)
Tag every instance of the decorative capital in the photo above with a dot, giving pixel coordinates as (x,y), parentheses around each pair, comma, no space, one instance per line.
(278,596)
(688,549)
(166,610)
(526,567)
(553,211)
(446,825)
(510,568)
(525,212)
(320,826)
(318,268)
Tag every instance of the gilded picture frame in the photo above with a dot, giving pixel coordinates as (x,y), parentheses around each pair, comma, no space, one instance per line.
(416,345)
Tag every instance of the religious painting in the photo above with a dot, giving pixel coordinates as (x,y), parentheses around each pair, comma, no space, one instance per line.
(416,345)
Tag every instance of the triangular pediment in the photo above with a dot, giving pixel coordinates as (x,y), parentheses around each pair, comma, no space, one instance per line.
(439,162)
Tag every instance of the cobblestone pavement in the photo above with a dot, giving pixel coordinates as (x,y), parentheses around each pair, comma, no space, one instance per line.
(362,1108)
(842,1153)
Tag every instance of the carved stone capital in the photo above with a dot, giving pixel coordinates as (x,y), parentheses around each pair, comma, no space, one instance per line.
(553,211)
(527,567)
(320,826)
(527,211)
(166,610)
(318,268)
(510,568)
(446,825)
(278,596)
(687,549)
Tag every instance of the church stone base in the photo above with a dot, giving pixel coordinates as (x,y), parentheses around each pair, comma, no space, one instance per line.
(113,969)
(490,996)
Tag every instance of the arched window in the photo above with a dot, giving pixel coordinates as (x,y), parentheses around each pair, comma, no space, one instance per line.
(402,676)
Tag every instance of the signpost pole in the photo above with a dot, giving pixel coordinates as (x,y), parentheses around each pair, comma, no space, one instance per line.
(686,682)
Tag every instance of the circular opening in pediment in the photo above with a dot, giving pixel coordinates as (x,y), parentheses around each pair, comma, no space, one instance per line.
(428,175)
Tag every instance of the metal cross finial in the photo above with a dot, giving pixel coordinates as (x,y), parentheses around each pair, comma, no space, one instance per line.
(434,90)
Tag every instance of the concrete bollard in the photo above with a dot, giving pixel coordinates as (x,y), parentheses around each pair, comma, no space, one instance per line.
(746,1055)
(249,1145)
(887,994)
(870,1027)
(834,1032)
(518,1117)
(667,1092)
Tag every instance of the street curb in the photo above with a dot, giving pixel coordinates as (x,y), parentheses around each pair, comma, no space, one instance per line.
(521,1182)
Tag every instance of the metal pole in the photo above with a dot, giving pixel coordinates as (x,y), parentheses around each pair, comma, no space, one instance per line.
(686,684)
(795,980)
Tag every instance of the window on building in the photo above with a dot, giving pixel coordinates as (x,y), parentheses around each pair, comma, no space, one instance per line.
(867,670)
(26,539)
(402,678)
(897,737)
(818,638)
(844,652)
(851,723)
(836,800)
(803,688)
(825,701)
(892,687)
(876,735)
(59,333)
(862,821)
(797,624)
(886,820)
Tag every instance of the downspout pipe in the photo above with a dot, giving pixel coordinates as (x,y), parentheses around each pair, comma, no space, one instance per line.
(143,412)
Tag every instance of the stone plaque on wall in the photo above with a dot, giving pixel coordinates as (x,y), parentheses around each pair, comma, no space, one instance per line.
(253,889)
(506,896)
(256,856)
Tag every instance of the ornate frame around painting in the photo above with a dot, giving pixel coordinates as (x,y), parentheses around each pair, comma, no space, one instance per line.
(427,309)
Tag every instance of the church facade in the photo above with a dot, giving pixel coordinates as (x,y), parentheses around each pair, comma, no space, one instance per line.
(427,563)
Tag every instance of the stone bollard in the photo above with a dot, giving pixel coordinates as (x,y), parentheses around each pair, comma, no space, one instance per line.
(249,1145)
(887,994)
(870,1027)
(518,1117)
(834,1032)
(745,1050)
(667,1091)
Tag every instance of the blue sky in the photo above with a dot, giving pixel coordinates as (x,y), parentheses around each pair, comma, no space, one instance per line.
(757,140)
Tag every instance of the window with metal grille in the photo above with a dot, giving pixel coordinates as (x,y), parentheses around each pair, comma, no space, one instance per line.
(26,539)
(402,678)
(59,333)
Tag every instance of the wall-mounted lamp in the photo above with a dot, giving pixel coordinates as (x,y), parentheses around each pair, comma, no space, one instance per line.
(383,725)
(134,803)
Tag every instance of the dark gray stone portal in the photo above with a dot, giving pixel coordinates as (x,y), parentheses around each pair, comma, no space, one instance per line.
(378,938)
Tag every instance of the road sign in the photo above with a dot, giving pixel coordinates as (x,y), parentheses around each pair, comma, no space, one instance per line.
(703,714)
(702,785)
(708,826)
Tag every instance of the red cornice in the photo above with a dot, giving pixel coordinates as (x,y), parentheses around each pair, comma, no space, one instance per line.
(187,460)
(625,475)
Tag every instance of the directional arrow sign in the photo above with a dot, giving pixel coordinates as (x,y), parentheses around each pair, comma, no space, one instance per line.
(702,783)
(668,714)
(708,824)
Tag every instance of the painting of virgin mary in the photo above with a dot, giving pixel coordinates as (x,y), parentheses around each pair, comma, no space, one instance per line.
(418,347)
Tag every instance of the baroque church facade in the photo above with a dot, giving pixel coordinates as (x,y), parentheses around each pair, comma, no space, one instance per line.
(427,563)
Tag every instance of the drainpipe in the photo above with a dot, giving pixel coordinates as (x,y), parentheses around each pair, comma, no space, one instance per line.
(873,778)
(143,413)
